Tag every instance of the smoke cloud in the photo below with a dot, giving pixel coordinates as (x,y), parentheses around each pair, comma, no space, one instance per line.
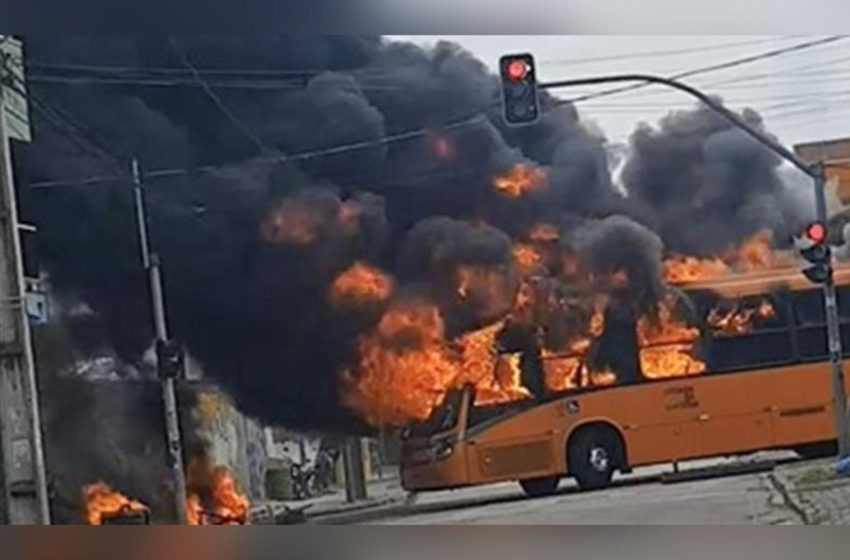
(250,251)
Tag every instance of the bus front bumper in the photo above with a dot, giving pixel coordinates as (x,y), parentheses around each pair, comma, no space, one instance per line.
(433,472)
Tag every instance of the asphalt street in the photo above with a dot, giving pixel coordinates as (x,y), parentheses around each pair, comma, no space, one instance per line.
(727,500)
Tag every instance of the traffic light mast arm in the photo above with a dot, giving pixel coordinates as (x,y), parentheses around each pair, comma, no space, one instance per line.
(718,108)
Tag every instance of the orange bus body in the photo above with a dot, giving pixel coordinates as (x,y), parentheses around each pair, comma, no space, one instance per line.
(658,421)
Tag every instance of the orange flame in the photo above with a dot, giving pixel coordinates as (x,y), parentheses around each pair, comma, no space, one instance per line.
(519,180)
(292,224)
(752,254)
(736,321)
(102,501)
(496,377)
(404,368)
(667,348)
(215,497)
(680,270)
(527,258)
(564,372)
(360,284)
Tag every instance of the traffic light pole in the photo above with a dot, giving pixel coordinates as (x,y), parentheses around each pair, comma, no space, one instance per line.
(816,172)
(169,397)
(833,328)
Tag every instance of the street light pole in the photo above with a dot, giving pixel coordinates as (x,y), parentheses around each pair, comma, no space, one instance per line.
(172,421)
(816,172)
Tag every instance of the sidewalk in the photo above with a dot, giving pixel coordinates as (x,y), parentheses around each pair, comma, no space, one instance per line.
(814,492)
(380,493)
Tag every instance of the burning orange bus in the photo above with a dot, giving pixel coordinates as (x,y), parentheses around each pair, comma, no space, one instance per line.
(755,377)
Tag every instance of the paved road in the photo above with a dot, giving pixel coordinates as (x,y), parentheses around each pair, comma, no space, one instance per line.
(736,500)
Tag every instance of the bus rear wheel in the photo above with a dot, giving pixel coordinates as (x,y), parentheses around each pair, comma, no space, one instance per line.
(539,487)
(594,453)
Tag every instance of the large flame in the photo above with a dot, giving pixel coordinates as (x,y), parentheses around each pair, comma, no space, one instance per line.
(407,367)
(361,284)
(102,501)
(667,347)
(404,368)
(754,253)
(496,377)
(520,180)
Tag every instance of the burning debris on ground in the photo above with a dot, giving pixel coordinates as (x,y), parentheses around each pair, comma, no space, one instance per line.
(360,286)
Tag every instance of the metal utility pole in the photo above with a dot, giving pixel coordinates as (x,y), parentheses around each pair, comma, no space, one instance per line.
(816,172)
(20,422)
(169,397)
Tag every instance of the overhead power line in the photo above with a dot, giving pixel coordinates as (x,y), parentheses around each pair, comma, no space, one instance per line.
(712,68)
(658,53)
(234,120)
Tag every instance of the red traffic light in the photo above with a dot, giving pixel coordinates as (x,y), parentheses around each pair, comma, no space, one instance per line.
(816,232)
(517,69)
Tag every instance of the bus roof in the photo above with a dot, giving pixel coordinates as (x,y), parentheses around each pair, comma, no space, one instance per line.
(763,281)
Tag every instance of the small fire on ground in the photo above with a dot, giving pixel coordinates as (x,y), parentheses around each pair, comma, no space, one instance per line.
(214,499)
(103,502)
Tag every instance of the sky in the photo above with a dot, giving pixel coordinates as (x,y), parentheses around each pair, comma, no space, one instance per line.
(803,96)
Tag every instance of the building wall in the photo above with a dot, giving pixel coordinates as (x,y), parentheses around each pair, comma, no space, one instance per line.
(831,151)
(234,440)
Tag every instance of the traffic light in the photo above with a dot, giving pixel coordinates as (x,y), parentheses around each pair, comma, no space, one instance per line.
(818,254)
(169,359)
(519,89)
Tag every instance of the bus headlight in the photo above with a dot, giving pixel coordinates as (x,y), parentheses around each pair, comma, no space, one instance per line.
(443,450)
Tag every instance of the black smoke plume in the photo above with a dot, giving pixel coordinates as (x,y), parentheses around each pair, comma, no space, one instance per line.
(708,184)
(249,303)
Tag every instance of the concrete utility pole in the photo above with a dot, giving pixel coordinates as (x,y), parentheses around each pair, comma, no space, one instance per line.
(816,172)
(355,478)
(20,422)
(169,397)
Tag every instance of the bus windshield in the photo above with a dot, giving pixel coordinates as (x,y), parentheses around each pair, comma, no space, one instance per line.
(443,419)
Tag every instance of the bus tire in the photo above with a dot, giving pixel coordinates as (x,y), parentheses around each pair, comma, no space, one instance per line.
(594,453)
(539,487)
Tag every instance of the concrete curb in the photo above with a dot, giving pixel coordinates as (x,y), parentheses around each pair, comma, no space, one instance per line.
(306,514)
(796,498)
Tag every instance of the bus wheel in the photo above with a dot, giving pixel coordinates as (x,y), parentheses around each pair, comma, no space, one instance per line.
(594,453)
(539,487)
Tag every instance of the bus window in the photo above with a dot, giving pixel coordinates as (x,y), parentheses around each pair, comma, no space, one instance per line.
(442,420)
(811,324)
(843,296)
(748,332)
